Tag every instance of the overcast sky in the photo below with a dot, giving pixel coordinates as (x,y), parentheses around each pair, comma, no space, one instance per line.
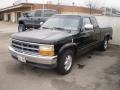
(109,3)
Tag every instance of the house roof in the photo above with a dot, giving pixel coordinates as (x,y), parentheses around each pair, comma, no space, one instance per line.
(16,6)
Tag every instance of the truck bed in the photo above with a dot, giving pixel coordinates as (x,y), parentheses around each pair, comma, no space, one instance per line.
(106,31)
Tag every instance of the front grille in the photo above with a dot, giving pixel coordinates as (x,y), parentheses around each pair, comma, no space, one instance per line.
(25,47)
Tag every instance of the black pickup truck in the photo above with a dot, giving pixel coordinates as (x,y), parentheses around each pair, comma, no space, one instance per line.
(33,19)
(59,40)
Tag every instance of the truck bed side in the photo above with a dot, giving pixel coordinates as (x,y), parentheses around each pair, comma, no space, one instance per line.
(106,32)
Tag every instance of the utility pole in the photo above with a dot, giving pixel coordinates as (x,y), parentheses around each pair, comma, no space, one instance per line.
(73,3)
(58,6)
(43,7)
(90,9)
(111,12)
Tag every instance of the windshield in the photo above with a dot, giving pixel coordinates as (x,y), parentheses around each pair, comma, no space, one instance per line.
(68,22)
(31,14)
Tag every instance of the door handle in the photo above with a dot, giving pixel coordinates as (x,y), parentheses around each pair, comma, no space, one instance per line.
(85,34)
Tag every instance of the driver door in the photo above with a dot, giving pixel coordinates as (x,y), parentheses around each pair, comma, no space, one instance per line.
(87,35)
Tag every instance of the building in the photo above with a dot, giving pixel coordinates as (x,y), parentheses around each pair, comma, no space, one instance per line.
(12,13)
(110,11)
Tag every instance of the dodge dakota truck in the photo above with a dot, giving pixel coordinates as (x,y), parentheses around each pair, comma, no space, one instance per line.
(59,41)
(34,18)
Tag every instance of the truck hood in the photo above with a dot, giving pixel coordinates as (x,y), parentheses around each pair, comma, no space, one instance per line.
(42,36)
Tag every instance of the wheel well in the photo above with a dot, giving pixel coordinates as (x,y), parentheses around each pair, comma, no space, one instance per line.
(73,48)
(108,37)
(21,22)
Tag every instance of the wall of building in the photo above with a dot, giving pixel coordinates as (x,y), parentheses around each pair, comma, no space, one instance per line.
(79,13)
(5,17)
(114,22)
(64,8)
(13,19)
(28,7)
(13,13)
(1,16)
(79,9)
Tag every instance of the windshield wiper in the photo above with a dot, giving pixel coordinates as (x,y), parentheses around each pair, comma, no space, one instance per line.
(62,29)
(59,28)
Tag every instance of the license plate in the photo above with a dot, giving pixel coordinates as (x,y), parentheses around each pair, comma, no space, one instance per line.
(22,59)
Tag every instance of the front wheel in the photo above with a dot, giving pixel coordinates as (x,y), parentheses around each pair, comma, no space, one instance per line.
(104,44)
(21,28)
(65,62)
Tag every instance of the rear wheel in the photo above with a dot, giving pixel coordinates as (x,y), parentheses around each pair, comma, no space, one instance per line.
(65,62)
(104,44)
(21,28)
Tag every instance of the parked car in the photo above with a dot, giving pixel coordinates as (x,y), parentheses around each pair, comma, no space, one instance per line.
(34,18)
(60,39)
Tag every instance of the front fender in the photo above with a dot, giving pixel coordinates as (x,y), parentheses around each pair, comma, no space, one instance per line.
(67,46)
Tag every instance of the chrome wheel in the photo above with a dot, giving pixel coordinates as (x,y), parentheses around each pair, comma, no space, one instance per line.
(68,62)
(65,62)
(105,44)
(20,29)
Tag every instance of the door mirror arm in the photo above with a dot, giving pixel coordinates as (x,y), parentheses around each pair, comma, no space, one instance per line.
(81,29)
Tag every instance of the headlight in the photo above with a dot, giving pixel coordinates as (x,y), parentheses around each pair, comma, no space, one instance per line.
(46,50)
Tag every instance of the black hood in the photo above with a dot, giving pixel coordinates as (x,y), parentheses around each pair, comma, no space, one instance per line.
(42,36)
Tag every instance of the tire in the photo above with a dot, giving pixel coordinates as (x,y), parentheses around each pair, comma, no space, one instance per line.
(104,45)
(65,62)
(21,28)
(36,27)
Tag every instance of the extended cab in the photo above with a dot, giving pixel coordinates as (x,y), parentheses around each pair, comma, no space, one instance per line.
(34,18)
(59,40)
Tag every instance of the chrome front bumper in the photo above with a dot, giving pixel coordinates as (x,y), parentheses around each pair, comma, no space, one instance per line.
(35,59)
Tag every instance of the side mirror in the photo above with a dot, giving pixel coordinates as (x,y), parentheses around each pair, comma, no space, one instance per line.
(41,23)
(88,27)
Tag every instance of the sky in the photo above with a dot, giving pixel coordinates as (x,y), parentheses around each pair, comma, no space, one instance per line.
(108,3)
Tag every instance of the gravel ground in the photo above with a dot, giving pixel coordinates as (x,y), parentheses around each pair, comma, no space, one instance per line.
(99,71)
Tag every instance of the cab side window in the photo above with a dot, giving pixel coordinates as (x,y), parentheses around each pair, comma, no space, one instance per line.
(94,21)
(86,21)
(38,14)
(48,13)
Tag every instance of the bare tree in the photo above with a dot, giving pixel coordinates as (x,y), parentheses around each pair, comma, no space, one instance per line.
(94,4)
(58,6)
(91,4)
